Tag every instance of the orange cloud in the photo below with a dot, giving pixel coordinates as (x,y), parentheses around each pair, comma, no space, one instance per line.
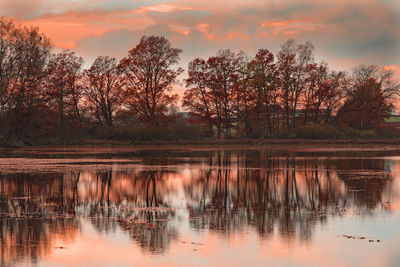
(181,30)
(395,69)
(205,28)
(288,27)
(236,34)
(342,31)
(165,8)
(67,29)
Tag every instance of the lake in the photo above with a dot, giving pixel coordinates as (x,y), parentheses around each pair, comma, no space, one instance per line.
(200,207)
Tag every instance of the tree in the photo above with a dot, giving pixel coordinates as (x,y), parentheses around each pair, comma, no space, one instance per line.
(211,90)
(24,53)
(369,97)
(61,85)
(243,101)
(103,90)
(11,61)
(197,99)
(292,63)
(332,92)
(322,92)
(265,90)
(148,75)
(222,78)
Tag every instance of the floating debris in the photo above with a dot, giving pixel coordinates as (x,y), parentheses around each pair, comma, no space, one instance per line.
(360,238)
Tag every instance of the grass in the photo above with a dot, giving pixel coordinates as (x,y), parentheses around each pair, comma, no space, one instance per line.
(393,119)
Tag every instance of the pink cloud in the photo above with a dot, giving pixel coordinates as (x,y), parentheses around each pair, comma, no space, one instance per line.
(396,71)
(288,27)
(344,32)
(67,29)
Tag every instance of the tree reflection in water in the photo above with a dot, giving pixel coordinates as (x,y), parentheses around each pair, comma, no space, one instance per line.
(289,195)
(226,192)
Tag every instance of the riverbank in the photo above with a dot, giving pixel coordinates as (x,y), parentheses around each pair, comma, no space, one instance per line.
(280,146)
(210,142)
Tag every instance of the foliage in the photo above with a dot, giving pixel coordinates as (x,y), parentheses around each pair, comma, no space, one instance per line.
(368,97)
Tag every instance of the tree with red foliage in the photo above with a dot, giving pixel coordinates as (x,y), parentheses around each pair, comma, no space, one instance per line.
(197,99)
(222,78)
(23,56)
(293,60)
(243,100)
(61,85)
(212,93)
(322,91)
(148,74)
(265,90)
(102,88)
(369,97)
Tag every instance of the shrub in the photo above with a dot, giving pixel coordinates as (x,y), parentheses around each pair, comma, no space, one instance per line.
(348,132)
(283,133)
(318,131)
(367,134)
(387,131)
(176,129)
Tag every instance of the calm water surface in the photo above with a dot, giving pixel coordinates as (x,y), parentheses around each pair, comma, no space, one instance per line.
(199,208)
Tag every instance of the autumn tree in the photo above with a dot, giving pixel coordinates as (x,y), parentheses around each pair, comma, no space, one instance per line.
(211,90)
(11,63)
(265,91)
(369,97)
(322,93)
(198,99)
(223,76)
(24,53)
(103,90)
(62,87)
(293,60)
(148,73)
(331,95)
(243,107)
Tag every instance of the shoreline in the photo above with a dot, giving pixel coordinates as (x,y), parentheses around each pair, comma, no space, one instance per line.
(290,145)
(202,143)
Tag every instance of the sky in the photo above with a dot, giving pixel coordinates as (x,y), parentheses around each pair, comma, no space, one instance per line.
(344,32)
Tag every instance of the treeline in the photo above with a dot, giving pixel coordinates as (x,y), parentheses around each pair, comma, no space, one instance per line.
(49,97)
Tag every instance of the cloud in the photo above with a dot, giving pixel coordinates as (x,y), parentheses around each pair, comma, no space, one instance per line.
(344,32)
(20,8)
(67,29)
(396,71)
(31,9)
(117,43)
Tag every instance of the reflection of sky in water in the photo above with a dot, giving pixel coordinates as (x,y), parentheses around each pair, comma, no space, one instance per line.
(245,249)
(240,210)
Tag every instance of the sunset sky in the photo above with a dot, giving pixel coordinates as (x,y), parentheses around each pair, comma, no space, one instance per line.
(345,32)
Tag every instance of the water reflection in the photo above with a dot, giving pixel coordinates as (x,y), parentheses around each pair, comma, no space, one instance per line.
(287,195)
(225,192)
